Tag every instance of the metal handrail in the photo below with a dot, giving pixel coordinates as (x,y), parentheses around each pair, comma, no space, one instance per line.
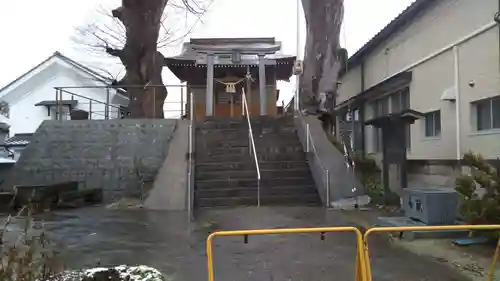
(190,185)
(310,144)
(252,143)
(287,106)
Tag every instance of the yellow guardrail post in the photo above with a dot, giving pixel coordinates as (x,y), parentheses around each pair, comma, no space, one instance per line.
(491,272)
(360,262)
(366,256)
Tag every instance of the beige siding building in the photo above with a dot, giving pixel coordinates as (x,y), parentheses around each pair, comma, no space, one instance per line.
(440,58)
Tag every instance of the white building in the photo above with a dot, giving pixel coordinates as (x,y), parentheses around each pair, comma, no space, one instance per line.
(440,59)
(30,99)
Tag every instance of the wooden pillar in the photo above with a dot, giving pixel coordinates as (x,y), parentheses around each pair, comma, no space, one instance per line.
(209,105)
(248,91)
(262,86)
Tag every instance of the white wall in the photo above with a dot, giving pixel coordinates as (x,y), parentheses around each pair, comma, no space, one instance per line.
(25,117)
(445,23)
(351,84)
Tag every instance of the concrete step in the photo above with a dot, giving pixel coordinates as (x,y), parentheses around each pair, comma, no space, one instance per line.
(251,174)
(231,135)
(224,158)
(238,183)
(253,191)
(226,124)
(280,200)
(239,121)
(209,152)
(264,165)
(244,141)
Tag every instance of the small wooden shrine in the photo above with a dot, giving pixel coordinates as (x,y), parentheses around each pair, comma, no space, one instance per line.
(218,70)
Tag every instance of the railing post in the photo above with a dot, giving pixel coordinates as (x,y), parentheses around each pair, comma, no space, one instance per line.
(106,108)
(327,183)
(249,143)
(90,109)
(296,97)
(182,101)
(190,159)
(258,192)
(60,104)
(57,103)
(307,138)
(243,103)
(191,106)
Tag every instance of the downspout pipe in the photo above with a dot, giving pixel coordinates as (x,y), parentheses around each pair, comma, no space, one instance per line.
(362,110)
(456,66)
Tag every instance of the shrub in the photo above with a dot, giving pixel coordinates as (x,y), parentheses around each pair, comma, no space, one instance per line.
(476,208)
(369,175)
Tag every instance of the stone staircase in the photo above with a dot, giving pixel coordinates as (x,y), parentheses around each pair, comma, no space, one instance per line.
(225,173)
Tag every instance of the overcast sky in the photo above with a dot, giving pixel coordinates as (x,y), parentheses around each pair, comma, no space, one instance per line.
(31,30)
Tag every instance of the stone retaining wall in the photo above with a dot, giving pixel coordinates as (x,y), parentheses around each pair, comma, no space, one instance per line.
(97,153)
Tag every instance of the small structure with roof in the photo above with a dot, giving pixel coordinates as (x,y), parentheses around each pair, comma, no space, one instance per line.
(218,70)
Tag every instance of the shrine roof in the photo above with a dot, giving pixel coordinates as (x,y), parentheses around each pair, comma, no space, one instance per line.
(195,51)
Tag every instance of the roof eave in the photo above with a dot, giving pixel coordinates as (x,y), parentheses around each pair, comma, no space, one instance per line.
(402,20)
(57,55)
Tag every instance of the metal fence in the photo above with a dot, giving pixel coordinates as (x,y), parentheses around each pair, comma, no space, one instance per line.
(371,231)
(363,267)
(360,263)
(111,102)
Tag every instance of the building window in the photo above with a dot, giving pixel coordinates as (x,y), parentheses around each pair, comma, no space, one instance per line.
(393,103)
(488,114)
(400,100)
(433,124)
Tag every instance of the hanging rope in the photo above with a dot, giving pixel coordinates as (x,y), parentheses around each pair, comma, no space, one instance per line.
(230,86)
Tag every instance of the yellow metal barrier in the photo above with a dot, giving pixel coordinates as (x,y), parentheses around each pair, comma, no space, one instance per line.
(360,263)
(366,258)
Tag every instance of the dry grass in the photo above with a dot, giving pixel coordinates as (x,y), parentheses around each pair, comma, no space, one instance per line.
(29,257)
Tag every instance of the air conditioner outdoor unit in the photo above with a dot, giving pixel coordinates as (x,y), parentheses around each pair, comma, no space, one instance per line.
(431,206)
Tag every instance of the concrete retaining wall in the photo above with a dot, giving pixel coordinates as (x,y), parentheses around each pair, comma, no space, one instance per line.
(341,179)
(97,153)
(170,186)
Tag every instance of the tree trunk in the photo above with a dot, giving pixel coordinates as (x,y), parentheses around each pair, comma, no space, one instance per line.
(321,60)
(143,62)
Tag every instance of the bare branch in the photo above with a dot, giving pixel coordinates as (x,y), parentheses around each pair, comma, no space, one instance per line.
(114,52)
(130,37)
(106,33)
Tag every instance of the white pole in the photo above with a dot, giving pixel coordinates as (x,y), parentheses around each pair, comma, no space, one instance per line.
(307,138)
(190,192)
(298,28)
(457,101)
(297,51)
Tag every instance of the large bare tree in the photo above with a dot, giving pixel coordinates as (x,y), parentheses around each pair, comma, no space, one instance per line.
(138,29)
(323,55)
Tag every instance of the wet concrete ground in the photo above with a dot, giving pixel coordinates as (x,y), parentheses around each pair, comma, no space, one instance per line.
(166,241)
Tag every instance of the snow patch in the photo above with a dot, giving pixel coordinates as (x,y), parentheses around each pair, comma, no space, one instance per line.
(129,273)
